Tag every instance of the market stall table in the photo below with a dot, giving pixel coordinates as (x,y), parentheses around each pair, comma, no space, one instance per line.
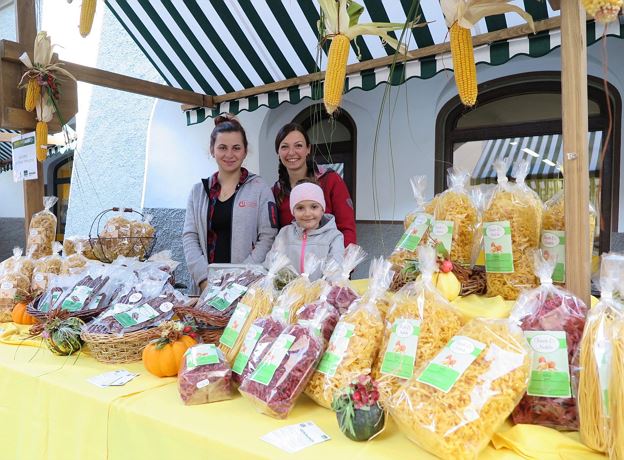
(49,410)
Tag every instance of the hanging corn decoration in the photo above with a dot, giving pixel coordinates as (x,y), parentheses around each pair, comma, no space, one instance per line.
(461,16)
(603,11)
(340,23)
(41,140)
(87,13)
(33,92)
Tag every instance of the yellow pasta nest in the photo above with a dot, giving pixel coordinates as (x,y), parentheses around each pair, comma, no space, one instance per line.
(439,323)
(357,359)
(459,208)
(460,423)
(524,213)
(41,234)
(45,267)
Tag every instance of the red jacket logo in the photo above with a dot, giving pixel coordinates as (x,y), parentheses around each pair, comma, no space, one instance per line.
(247,204)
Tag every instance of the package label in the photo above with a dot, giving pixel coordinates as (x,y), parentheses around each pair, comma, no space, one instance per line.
(415,232)
(400,353)
(201,355)
(227,296)
(281,313)
(76,299)
(251,339)
(448,366)
(442,232)
(136,315)
(550,372)
(553,245)
(338,344)
(45,306)
(235,325)
(274,357)
(498,247)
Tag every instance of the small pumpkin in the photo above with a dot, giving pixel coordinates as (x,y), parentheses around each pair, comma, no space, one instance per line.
(19,314)
(162,357)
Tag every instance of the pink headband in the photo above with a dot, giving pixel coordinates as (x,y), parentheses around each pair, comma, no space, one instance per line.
(306,191)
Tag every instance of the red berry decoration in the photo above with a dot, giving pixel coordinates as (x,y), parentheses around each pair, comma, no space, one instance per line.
(446,266)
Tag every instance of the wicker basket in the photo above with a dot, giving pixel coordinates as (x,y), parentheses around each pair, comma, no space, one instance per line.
(115,349)
(210,335)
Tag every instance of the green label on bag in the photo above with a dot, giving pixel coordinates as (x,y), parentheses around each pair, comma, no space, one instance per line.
(235,325)
(553,245)
(338,344)
(448,366)
(76,299)
(136,315)
(498,247)
(45,307)
(271,361)
(251,339)
(280,313)
(226,297)
(201,355)
(415,232)
(400,353)
(602,353)
(442,232)
(550,373)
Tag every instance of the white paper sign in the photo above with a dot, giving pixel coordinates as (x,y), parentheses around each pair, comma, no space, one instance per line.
(24,157)
(294,438)
(112,379)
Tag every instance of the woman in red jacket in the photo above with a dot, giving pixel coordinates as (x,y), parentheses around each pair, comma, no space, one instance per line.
(292,145)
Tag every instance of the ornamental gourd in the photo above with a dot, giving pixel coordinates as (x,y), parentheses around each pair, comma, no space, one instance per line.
(163,356)
(20,316)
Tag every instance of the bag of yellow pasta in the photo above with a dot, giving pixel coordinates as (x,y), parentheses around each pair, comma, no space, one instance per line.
(257,302)
(44,268)
(353,344)
(301,290)
(454,404)
(42,230)
(511,229)
(600,402)
(455,218)
(420,323)
(380,275)
(553,233)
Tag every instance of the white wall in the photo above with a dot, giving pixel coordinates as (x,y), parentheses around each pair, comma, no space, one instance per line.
(11,196)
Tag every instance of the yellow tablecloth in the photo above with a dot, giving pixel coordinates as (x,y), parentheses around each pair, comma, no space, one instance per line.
(49,411)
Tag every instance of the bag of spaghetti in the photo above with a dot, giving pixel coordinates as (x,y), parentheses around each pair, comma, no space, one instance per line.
(42,230)
(552,320)
(600,362)
(455,218)
(300,290)
(511,230)
(453,404)
(354,343)
(554,235)
(257,301)
(419,324)
(342,295)
(44,268)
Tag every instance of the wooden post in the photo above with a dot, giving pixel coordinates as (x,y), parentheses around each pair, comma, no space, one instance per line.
(576,168)
(26,26)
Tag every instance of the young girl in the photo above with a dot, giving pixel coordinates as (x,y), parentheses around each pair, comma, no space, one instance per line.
(312,231)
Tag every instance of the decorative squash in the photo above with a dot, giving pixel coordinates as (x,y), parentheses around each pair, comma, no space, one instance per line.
(448,285)
(163,356)
(20,316)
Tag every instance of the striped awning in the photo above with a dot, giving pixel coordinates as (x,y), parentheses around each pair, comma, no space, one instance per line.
(219,47)
(6,152)
(545,154)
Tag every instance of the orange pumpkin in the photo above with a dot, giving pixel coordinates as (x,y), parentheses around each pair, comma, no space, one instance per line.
(164,360)
(21,316)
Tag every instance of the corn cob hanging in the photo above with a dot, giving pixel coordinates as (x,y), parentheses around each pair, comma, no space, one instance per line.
(33,92)
(341,25)
(461,16)
(603,11)
(87,13)
(41,140)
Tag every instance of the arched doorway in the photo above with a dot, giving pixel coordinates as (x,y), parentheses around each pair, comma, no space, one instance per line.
(333,142)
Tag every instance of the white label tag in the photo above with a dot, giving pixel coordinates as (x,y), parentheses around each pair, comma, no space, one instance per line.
(294,438)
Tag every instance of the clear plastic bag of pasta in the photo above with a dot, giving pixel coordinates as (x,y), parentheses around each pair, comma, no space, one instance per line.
(380,275)
(42,230)
(320,315)
(44,268)
(455,216)
(76,262)
(301,290)
(454,403)
(552,320)
(354,343)
(342,294)
(596,361)
(553,233)
(18,263)
(511,230)
(256,302)
(419,324)
(205,375)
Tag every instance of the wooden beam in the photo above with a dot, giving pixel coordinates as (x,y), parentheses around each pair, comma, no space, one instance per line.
(434,50)
(11,51)
(575,164)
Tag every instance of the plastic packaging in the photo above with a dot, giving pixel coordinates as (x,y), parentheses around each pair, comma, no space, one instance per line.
(301,290)
(42,230)
(453,404)
(342,295)
(18,264)
(380,276)
(512,225)
(43,268)
(455,218)
(284,371)
(552,320)
(76,262)
(320,316)
(419,324)
(204,376)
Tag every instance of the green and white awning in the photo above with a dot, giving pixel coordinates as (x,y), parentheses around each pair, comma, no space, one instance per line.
(218,47)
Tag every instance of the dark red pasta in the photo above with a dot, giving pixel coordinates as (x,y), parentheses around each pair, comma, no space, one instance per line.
(319,315)
(342,297)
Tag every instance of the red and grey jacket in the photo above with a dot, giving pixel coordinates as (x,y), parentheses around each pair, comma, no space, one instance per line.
(337,202)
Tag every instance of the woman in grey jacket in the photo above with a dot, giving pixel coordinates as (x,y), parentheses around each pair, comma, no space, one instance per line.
(231,217)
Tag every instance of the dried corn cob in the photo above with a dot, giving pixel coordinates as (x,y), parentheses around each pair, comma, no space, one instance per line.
(33,92)
(464,64)
(41,140)
(87,13)
(336,72)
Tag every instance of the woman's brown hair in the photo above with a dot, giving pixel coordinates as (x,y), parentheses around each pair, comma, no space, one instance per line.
(227,123)
(284,179)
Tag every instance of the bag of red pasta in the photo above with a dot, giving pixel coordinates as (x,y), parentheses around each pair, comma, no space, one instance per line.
(284,371)
(342,295)
(321,316)
(204,375)
(552,320)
